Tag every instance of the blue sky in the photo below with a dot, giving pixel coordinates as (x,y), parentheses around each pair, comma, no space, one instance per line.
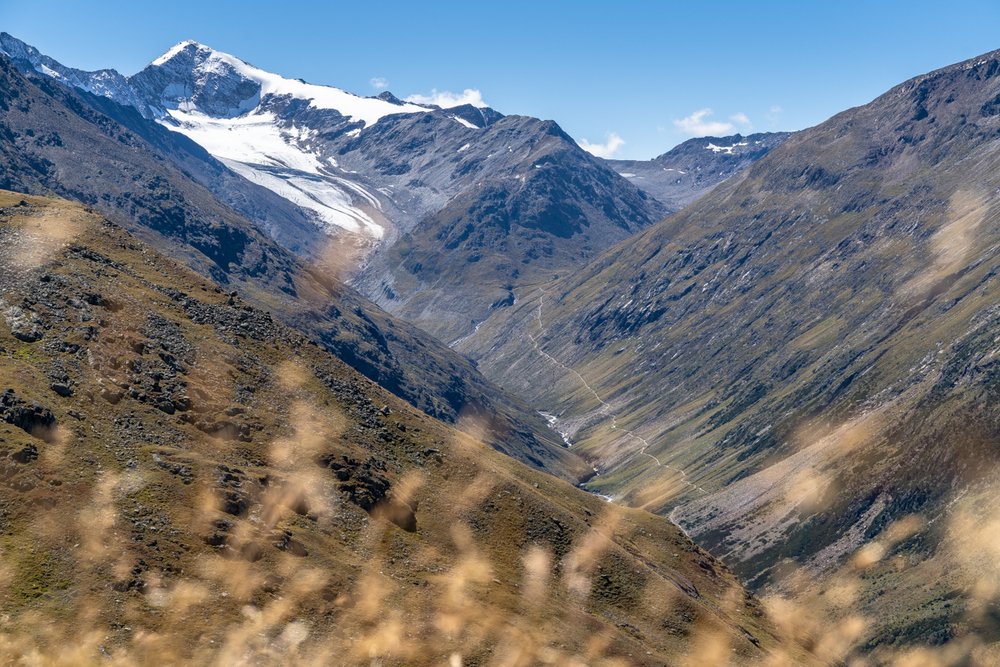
(645,72)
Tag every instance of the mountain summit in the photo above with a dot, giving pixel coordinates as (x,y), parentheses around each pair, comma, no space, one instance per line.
(194,78)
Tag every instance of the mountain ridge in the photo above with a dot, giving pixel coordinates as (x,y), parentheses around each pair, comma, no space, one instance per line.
(693,167)
(396,183)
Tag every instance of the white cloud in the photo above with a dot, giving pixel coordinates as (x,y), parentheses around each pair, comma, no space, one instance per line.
(742,120)
(605,150)
(447,99)
(698,124)
(379,82)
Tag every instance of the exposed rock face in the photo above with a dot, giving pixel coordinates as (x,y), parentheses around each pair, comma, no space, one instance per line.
(22,326)
(29,417)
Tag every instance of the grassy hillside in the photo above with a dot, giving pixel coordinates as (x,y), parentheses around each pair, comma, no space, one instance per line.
(805,356)
(186,480)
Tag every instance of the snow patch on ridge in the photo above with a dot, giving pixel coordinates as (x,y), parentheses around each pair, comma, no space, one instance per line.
(728,150)
(465,123)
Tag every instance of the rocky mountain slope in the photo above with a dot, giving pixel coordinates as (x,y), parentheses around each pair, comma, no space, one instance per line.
(545,208)
(54,139)
(498,200)
(276,215)
(693,168)
(805,358)
(184,479)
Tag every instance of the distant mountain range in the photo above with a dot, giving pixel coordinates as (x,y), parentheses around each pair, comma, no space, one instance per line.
(688,171)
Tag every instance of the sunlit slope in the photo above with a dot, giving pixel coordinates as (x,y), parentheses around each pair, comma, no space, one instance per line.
(184,479)
(805,355)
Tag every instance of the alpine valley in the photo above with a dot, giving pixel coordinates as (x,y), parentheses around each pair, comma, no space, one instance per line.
(297,376)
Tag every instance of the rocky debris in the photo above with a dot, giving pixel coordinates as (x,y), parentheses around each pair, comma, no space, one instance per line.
(111,395)
(285,542)
(220,533)
(223,429)
(432,453)
(134,581)
(359,406)
(367,486)
(62,389)
(59,380)
(181,470)
(238,490)
(234,319)
(24,325)
(92,255)
(102,301)
(156,375)
(153,528)
(29,417)
(364,483)
(27,454)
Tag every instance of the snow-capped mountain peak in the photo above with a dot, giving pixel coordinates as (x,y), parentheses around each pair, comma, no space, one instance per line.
(174,50)
(264,126)
(196,77)
(297,139)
